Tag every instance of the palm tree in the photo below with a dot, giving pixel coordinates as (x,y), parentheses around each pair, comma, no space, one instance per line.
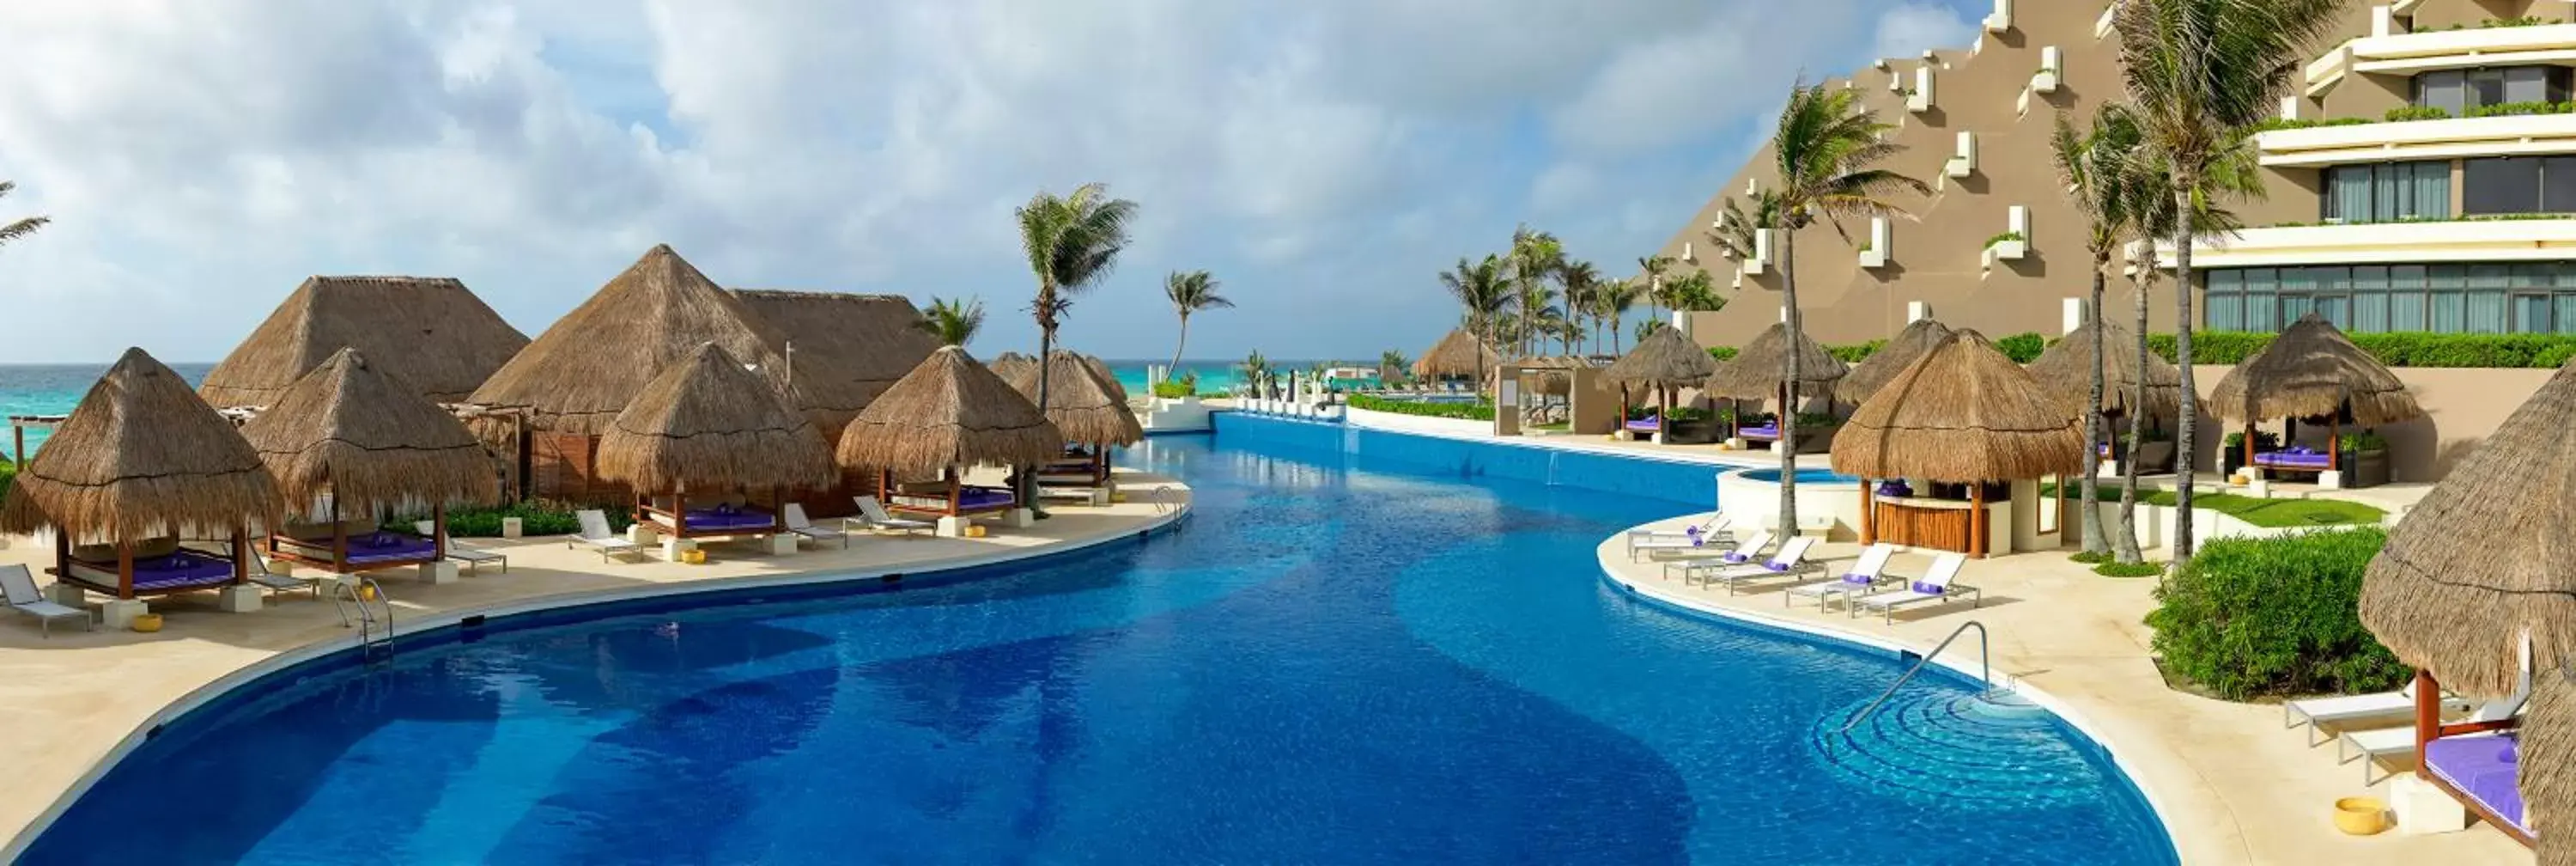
(953,321)
(2199,75)
(1190,292)
(1536,257)
(1733,232)
(1651,270)
(1256,373)
(1392,367)
(1582,283)
(1828,148)
(21,228)
(1612,303)
(1481,288)
(1693,292)
(2091,167)
(1071,243)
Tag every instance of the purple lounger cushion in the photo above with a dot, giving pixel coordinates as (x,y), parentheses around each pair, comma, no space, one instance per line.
(2294,459)
(1766,431)
(975,498)
(2483,768)
(718,519)
(1928,588)
(1644,425)
(181,570)
(388,547)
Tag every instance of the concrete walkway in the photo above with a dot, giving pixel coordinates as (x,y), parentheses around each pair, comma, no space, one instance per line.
(2231,782)
(72,703)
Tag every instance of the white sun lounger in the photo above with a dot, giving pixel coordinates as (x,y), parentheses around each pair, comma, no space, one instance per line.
(1940,585)
(595,532)
(18,587)
(2377,743)
(872,515)
(1743,552)
(1708,530)
(805,529)
(1866,576)
(1791,559)
(2349,709)
(473,557)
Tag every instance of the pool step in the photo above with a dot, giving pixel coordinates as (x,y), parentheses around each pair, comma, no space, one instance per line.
(1946,749)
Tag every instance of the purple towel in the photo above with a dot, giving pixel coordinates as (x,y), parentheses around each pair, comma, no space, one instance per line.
(1927,588)
(1776,566)
(2484,768)
(1732,556)
(1858,579)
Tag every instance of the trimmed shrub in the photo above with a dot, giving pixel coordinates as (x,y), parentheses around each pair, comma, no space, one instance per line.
(8,473)
(535,518)
(1858,353)
(2022,348)
(1478,411)
(1170,390)
(1721,353)
(2254,617)
(2129,569)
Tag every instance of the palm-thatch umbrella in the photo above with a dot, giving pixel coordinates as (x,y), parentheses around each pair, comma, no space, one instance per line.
(1082,404)
(709,425)
(361,436)
(1754,372)
(2482,561)
(1663,360)
(845,349)
(2066,370)
(1874,372)
(2310,370)
(431,333)
(1964,413)
(1107,376)
(141,457)
(948,413)
(1457,356)
(1012,365)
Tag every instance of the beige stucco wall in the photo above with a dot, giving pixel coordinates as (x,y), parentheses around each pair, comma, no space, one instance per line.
(2462,407)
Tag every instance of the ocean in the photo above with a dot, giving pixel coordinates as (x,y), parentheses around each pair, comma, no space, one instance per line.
(53,389)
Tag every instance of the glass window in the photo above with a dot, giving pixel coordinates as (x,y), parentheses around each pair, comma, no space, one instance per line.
(2226,313)
(2370,278)
(2450,312)
(2566,313)
(2531,314)
(2387,192)
(2432,191)
(2348,194)
(2486,87)
(2558,184)
(2295,306)
(2337,309)
(2505,185)
(2446,90)
(2406,297)
(2262,313)
(2487,312)
(2527,84)
(2370,312)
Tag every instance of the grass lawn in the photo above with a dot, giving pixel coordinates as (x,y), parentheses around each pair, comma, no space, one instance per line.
(2279,512)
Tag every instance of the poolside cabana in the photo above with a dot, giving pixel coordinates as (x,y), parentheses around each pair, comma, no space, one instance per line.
(700,439)
(2065,368)
(1861,380)
(1663,360)
(575,378)
(1093,419)
(1459,355)
(1757,372)
(1010,365)
(949,414)
(140,464)
(2482,561)
(1962,419)
(2311,371)
(352,444)
(430,333)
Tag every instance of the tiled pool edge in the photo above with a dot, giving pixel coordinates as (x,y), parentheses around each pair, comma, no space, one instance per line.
(427,628)
(1957,669)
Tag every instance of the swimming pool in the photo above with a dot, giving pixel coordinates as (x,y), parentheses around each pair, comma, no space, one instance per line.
(1805,476)
(1332,661)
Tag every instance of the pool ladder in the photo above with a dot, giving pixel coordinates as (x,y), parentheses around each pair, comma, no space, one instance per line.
(1985,671)
(365,605)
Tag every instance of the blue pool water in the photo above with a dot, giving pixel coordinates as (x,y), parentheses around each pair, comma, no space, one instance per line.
(1334,660)
(1805,476)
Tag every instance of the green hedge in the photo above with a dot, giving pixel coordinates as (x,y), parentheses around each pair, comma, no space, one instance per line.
(535,518)
(2253,617)
(1479,411)
(2022,348)
(8,473)
(2394,349)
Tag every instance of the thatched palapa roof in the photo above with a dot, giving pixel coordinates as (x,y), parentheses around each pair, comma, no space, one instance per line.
(950,411)
(1081,404)
(1962,413)
(709,424)
(1663,358)
(1873,372)
(2486,555)
(1456,357)
(1107,376)
(578,375)
(848,348)
(1754,372)
(1010,365)
(1546,375)
(2066,370)
(2311,369)
(142,456)
(357,433)
(430,332)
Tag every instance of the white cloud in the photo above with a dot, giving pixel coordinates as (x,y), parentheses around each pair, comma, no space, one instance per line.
(1915,27)
(202,156)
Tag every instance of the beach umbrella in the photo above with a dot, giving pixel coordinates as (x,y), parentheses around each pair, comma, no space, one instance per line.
(950,411)
(2312,369)
(709,424)
(1873,372)
(1663,360)
(1459,355)
(142,456)
(1962,413)
(355,432)
(2066,370)
(1080,402)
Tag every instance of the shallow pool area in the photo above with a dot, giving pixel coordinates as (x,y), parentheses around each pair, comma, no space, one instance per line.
(1336,658)
(1805,476)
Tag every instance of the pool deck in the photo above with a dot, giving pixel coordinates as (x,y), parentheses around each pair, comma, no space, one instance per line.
(75,701)
(2230,781)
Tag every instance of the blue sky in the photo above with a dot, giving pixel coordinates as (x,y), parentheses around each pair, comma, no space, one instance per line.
(1323,158)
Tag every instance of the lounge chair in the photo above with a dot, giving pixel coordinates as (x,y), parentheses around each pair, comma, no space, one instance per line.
(804,529)
(1864,577)
(1745,550)
(2377,743)
(279,584)
(1708,530)
(873,516)
(595,532)
(473,557)
(1938,585)
(2348,709)
(1791,559)
(19,588)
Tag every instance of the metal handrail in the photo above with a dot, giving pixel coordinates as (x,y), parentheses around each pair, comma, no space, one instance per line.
(1985,670)
(353,593)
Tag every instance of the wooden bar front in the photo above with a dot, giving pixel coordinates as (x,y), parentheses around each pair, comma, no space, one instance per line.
(1936,524)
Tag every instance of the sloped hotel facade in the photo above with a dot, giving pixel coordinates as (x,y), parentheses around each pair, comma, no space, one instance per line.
(2380,222)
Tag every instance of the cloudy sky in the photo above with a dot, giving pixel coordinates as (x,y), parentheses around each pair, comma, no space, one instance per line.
(1324,158)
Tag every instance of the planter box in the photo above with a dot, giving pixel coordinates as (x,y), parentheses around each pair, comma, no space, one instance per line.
(1701,432)
(2365,468)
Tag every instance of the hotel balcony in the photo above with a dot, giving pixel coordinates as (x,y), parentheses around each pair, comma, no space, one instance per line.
(2409,53)
(2518,240)
(2449,138)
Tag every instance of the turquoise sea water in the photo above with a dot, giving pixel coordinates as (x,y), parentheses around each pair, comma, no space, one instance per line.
(1214,376)
(53,389)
